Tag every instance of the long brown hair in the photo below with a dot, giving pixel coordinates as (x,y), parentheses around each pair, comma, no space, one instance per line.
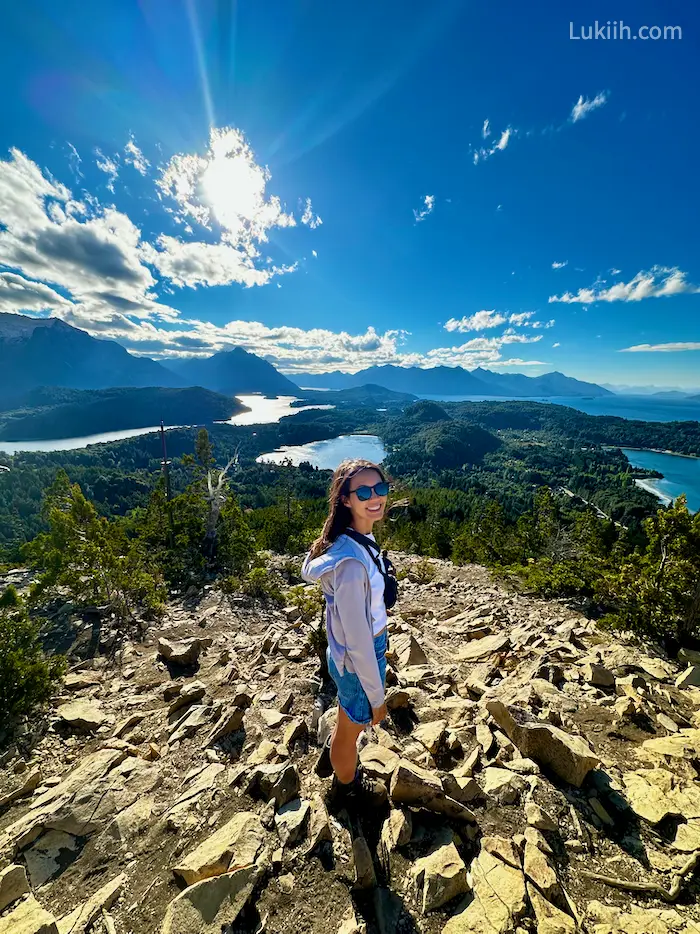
(339,515)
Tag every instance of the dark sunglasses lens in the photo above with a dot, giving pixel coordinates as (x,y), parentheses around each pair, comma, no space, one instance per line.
(382,489)
(364,493)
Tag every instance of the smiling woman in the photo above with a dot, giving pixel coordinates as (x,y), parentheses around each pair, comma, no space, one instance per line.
(359,587)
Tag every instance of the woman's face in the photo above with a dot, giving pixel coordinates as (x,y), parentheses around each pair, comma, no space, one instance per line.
(369,511)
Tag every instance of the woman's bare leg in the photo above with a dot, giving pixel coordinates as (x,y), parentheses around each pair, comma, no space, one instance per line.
(344,747)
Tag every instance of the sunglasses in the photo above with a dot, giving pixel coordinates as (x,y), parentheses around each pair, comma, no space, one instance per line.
(365,492)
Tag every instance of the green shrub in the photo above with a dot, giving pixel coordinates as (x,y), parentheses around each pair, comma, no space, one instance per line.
(263,584)
(422,572)
(308,600)
(27,676)
(91,560)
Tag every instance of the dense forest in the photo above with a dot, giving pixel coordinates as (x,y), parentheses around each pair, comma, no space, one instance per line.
(540,492)
(502,450)
(100,530)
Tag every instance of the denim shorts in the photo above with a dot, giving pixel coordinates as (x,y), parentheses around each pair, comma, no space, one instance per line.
(351,697)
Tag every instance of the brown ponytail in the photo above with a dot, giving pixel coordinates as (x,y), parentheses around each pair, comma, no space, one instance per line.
(339,515)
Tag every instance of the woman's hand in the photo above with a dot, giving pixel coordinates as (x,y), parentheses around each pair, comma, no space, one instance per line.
(379,714)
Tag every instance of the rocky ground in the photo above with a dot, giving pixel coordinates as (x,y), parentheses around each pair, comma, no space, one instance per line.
(541,776)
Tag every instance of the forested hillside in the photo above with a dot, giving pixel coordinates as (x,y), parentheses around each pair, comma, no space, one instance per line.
(529,490)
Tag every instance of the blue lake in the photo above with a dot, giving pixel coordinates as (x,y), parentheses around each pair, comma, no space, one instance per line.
(681,475)
(645,408)
(326,455)
(263,411)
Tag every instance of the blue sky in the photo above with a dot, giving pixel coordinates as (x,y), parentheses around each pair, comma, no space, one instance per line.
(337,185)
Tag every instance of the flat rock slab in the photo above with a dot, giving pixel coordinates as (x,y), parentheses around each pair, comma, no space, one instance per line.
(499,898)
(51,852)
(480,648)
(13,885)
(439,877)
(378,761)
(234,846)
(569,757)
(209,906)
(82,919)
(416,787)
(28,917)
(82,716)
(292,821)
(655,794)
(184,652)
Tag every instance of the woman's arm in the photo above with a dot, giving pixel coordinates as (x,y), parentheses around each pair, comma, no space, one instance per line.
(350,581)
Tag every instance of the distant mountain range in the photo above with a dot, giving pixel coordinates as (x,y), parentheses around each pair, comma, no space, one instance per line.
(48,352)
(455,381)
(233,371)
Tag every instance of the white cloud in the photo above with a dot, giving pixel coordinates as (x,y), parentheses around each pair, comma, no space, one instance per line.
(18,294)
(657,282)
(615,272)
(484,153)
(314,253)
(662,348)
(486,130)
(428,207)
(309,218)
(75,161)
(557,344)
(493,319)
(194,264)
(499,207)
(477,322)
(556,265)
(584,106)
(522,319)
(517,361)
(109,166)
(134,156)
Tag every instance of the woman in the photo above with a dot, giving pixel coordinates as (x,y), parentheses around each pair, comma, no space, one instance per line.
(352,576)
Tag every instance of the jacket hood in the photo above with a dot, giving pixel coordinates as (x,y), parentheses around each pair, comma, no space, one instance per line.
(342,548)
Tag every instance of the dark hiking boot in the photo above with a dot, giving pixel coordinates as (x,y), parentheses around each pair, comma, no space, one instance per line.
(323,767)
(361,792)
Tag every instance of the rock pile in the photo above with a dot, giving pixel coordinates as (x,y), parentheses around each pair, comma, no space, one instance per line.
(541,776)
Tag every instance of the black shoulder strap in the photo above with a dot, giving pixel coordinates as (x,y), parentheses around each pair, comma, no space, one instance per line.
(370,545)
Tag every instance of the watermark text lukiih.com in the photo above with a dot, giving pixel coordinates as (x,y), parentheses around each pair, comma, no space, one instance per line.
(616,29)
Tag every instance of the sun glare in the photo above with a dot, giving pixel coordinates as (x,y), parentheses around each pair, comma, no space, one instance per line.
(233,184)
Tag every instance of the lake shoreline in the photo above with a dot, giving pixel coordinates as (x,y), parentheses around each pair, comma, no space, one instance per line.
(675,474)
(628,447)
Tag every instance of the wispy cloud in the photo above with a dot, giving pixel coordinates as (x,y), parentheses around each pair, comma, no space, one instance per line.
(74,161)
(309,218)
(557,344)
(584,106)
(677,347)
(483,320)
(521,319)
(556,265)
(581,109)
(109,166)
(484,152)
(476,322)
(657,282)
(428,208)
(133,156)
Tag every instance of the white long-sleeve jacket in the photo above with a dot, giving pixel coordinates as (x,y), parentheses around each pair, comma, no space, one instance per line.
(344,574)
